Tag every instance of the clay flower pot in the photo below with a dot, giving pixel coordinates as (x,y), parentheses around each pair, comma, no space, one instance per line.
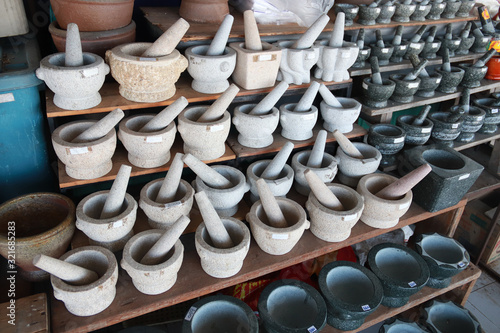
(204,11)
(97,15)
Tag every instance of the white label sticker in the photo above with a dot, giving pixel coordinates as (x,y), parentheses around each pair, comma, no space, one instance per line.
(413,85)
(310,55)
(309,116)
(153,139)
(465,176)
(412,284)
(279,236)
(190,313)
(438,80)
(442,5)
(79,150)
(494,110)
(349,217)
(456,42)
(117,224)
(435,44)
(364,85)
(90,72)
(405,205)
(461,264)
(365,307)
(147,59)
(454,126)
(346,55)
(484,69)
(414,46)
(426,130)
(391,9)
(265,57)
(398,140)
(385,50)
(421,7)
(312,329)
(215,128)
(5,98)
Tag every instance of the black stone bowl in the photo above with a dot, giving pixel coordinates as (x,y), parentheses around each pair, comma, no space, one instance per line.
(420,12)
(405,90)
(450,80)
(445,132)
(465,45)
(399,52)
(492,117)
(430,49)
(415,135)
(450,44)
(480,45)
(388,139)
(376,95)
(382,53)
(403,12)
(472,75)
(350,11)
(362,56)
(368,15)
(451,9)
(437,8)
(386,13)
(428,85)
(414,48)
(465,8)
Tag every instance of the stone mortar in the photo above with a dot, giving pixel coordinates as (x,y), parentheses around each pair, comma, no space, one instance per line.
(255,131)
(350,11)
(388,139)
(492,117)
(351,169)
(428,85)
(444,132)
(481,44)
(404,90)
(367,15)
(279,186)
(437,9)
(415,135)
(472,122)
(436,317)
(414,48)
(465,8)
(383,54)
(403,12)
(296,125)
(376,95)
(472,75)
(451,9)
(399,52)
(326,172)
(465,45)
(450,80)
(450,44)
(421,11)
(386,13)
(340,119)
(362,56)
(430,49)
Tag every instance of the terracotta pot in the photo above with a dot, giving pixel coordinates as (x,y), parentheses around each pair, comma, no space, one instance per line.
(91,15)
(204,11)
(97,42)
(493,72)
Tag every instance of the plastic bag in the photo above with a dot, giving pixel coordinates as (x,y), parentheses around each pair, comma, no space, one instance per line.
(302,12)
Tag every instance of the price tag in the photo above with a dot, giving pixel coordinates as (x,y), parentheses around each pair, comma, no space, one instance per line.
(461,264)
(438,80)
(309,116)
(413,85)
(412,284)
(484,69)
(310,55)
(265,57)
(363,52)
(115,224)
(147,59)
(398,140)
(190,313)
(426,130)
(414,46)
(364,85)
(465,176)
(494,110)
(215,128)
(442,5)
(312,329)
(365,307)
(279,236)
(6,98)
(435,44)
(456,42)
(422,7)
(346,55)
(454,125)
(405,205)
(153,139)
(79,150)
(385,50)
(90,72)
(349,217)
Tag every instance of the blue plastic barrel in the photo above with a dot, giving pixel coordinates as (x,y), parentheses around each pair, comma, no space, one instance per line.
(24,160)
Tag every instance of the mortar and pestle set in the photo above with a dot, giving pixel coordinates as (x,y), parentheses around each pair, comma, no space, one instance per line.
(437,8)
(375,90)
(451,76)
(467,40)
(428,81)
(473,117)
(416,43)
(474,73)
(338,113)
(383,51)
(447,126)
(432,45)
(400,45)
(418,128)
(421,11)
(387,11)
(350,11)
(364,51)
(407,85)
(388,139)
(404,10)
(449,42)
(147,72)
(491,106)
(367,14)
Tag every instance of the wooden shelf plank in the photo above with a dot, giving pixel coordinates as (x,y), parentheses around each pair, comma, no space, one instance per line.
(484,184)
(161,18)
(111,98)
(193,282)
(279,141)
(120,157)
(405,64)
(382,313)
(419,101)
(479,138)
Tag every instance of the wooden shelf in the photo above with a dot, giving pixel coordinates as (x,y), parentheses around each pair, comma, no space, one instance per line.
(193,282)
(161,18)
(120,157)
(111,98)
(419,101)
(279,141)
(468,275)
(405,64)
(479,138)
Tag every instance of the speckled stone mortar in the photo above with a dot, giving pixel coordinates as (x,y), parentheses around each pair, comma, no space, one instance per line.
(397,326)
(326,172)
(450,80)
(279,186)
(404,90)
(403,12)
(492,117)
(383,54)
(473,121)
(388,139)
(428,85)
(362,56)
(399,52)
(481,44)
(351,292)
(465,45)
(450,44)
(367,15)
(436,316)
(386,13)
(452,6)
(350,11)
(401,271)
(445,132)
(430,49)
(465,8)
(472,75)
(341,119)
(437,9)
(420,12)
(414,48)
(255,131)
(415,135)
(376,95)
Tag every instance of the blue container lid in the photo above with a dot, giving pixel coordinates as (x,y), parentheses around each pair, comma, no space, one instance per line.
(18,63)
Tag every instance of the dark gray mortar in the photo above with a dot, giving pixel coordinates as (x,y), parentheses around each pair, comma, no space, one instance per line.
(405,90)
(415,135)
(376,95)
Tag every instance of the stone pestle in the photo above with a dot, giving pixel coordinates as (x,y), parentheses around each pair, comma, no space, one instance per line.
(417,70)
(68,272)
(273,170)
(166,242)
(100,128)
(316,157)
(322,192)
(328,97)
(307,99)
(166,116)
(360,39)
(170,184)
(337,36)
(419,120)
(415,62)
(216,230)
(396,40)
(73,55)
(218,44)
(465,100)
(400,187)
(270,204)
(252,37)
(432,34)
(346,145)
(167,42)
(114,200)
(376,77)
(307,39)
(209,176)
(217,109)
(446,61)
(268,102)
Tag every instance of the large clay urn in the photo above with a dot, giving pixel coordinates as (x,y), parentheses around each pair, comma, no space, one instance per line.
(204,11)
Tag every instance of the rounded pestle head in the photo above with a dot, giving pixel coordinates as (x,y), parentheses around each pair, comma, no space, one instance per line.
(215,228)
(167,42)
(68,272)
(73,56)
(166,116)
(218,44)
(400,187)
(337,36)
(252,37)
(328,97)
(270,205)
(322,192)
(346,145)
(114,201)
(307,99)
(217,109)
(156,254)
(170,183)
(209,176)
(268,102)
(312,33)
(100,128)
(274,168)
(318,151)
